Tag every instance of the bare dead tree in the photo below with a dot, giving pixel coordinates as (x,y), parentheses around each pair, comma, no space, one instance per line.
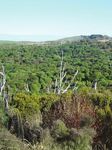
(6,98)
(60,85)
(3,92)
(94,85)
(3,80)
(27,88)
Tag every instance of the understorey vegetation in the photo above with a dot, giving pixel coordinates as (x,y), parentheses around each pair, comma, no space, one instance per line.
(56,96)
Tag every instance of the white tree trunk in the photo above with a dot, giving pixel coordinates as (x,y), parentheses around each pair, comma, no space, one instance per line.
(59,85)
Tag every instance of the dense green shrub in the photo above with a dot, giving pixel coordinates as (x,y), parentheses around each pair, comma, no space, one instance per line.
(26,104)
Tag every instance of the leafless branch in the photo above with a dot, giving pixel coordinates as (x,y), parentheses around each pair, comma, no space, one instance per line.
(2,84)
(66,89)
(3,88)
(27,88)
(59,85)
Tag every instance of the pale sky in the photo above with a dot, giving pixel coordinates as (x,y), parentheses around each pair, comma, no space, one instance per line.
(50,19)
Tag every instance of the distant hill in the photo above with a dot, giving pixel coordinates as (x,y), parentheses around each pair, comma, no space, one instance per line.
(94,37)
(91,38)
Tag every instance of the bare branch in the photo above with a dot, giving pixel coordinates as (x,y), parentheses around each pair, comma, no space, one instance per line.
(70,82)
(2,85)
(60,83)
(95,85)
(1,73)
(6,98)
(27,88)
(3,90)
(62,76)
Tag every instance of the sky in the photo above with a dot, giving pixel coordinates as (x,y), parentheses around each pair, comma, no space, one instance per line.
(53,19)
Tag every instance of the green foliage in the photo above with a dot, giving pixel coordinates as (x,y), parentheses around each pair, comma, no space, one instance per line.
(83,142)
(46,101)
(10,142)
(31,69)
(3,118)
(59,130)
(38,65)
(102,101)
(3,114)
(26,104)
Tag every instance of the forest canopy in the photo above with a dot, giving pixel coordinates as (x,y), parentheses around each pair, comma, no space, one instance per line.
(37,65)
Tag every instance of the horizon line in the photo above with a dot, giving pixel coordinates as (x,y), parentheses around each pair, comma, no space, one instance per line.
(35,37)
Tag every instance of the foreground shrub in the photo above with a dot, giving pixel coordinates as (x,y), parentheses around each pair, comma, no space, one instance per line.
(10,142)
(76,111)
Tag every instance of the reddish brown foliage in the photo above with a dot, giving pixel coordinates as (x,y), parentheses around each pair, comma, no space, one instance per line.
(76,112)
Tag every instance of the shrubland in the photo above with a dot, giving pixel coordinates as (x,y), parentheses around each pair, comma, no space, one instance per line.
(80,119)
